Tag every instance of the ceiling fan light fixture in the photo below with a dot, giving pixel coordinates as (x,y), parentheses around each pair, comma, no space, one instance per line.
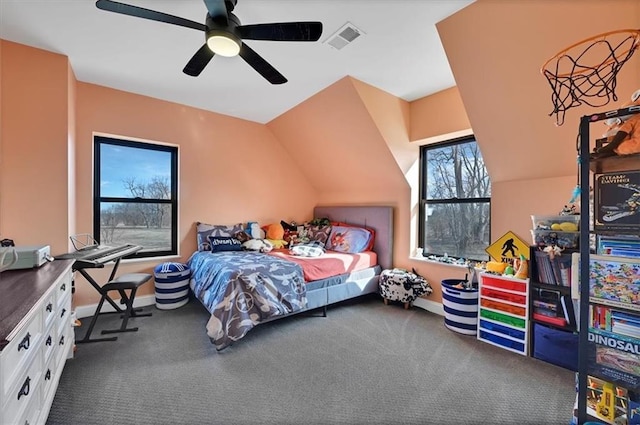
(223,43)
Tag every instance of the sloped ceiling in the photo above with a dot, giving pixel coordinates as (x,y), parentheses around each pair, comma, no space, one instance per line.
(508,101)
(346,150)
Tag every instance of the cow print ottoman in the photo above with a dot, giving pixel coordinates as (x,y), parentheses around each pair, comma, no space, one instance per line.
(403,285)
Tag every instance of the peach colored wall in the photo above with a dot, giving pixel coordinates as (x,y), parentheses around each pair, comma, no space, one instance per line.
(438,114)
(34,174)
(71,156)
(353,162)
(497,71)
(230,170)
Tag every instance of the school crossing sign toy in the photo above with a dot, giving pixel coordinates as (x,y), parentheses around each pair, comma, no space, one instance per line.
(508,247)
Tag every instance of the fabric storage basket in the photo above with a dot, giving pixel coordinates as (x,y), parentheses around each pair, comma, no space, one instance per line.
(172,285)
(460,307)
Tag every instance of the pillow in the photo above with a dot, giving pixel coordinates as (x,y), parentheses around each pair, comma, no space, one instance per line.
(318,232)
(224,243)
(370,230)
(205,230)
(348,239)
(310,249)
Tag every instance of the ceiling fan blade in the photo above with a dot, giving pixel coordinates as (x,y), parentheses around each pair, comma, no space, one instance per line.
(216,8)
(283,31)
(140,12)
(197,63)
(261,66)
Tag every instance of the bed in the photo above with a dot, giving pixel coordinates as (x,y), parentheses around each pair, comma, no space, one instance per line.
(242,289)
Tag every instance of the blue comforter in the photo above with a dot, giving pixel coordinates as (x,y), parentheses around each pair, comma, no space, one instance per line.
(241,289)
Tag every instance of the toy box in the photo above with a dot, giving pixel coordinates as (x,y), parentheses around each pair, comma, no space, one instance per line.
(552,237)
(559,223)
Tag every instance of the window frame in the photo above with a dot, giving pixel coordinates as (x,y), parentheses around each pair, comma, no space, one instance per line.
(423,187)
(98,141)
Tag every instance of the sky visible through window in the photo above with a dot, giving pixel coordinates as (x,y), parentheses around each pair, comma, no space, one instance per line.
(120,163)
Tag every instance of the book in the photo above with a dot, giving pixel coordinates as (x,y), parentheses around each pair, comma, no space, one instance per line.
(567,310)
(607,401)
(617,201)
(614,281)
(615,357)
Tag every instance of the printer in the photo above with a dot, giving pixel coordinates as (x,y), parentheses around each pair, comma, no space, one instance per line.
(31,256)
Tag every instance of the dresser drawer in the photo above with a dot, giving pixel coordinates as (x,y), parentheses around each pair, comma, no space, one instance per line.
(21,350)
(26,389)
(48,377)
(63,289)
(49,339)
(65,340)
(49,307)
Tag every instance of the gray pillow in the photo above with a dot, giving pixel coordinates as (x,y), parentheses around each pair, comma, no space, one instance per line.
(205,230)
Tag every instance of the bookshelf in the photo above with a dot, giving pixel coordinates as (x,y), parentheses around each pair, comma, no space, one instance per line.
(553,321)
(550,286)
(609,343)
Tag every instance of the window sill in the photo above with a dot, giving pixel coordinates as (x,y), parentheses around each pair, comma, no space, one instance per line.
(426,260)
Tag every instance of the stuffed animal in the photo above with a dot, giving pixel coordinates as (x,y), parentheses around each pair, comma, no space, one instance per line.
(275,234)
(254,230)
(623,133)
(261,245)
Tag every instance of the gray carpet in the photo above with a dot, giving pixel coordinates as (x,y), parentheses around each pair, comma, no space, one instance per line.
(364,363)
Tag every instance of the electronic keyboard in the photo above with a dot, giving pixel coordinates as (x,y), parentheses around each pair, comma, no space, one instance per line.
(98,255)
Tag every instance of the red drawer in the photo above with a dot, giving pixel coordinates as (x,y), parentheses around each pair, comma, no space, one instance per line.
(504,284)
(514,298)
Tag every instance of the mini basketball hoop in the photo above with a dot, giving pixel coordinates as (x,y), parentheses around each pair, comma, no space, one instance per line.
(585,72)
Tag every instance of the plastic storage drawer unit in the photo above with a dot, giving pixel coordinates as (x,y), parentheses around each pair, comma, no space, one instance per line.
(555,346)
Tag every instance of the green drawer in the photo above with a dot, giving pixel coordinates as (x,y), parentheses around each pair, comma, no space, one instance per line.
(503,318)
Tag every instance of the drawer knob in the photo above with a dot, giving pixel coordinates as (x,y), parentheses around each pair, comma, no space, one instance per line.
(61,340)
(49,307)
(64,310)
(24,391)
(47,375)
(63,286)
(24,344)
(48,341)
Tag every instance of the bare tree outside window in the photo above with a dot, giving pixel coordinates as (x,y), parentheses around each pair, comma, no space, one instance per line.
(455,206)
(136,195)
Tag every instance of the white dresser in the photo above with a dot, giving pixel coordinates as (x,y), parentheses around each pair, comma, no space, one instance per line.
(36,339)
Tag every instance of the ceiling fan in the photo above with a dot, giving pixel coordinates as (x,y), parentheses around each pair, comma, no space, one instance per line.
(224,35)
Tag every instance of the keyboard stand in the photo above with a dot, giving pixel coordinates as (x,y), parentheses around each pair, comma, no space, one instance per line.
(104,292)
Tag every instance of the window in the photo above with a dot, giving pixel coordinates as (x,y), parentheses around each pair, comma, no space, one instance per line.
(455,200)
(135,195)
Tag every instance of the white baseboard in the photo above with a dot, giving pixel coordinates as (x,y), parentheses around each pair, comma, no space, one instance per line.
(89,310)
(429,305)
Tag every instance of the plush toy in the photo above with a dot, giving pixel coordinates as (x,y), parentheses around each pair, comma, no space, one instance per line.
(623,133)
(254,230)
(261,245)
(275,235)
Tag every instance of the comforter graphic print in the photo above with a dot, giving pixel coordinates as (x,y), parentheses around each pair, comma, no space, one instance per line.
(241,289)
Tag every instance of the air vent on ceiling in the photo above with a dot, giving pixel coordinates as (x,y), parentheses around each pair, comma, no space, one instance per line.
(345,35)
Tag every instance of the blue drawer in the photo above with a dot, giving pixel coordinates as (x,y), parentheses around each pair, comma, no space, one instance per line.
(502,329)
(555,346)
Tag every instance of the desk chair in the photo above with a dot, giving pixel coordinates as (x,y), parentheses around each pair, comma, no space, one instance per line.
(130,281)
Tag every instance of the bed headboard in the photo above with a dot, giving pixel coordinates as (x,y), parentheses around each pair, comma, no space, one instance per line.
(379,219)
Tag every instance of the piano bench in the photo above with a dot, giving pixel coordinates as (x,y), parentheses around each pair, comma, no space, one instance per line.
(130,281)
(127,281)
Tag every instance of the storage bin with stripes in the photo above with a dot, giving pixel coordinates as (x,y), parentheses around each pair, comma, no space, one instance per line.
(172,285)
(460,307)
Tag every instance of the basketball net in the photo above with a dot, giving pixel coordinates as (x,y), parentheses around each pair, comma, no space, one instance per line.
(585,72)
